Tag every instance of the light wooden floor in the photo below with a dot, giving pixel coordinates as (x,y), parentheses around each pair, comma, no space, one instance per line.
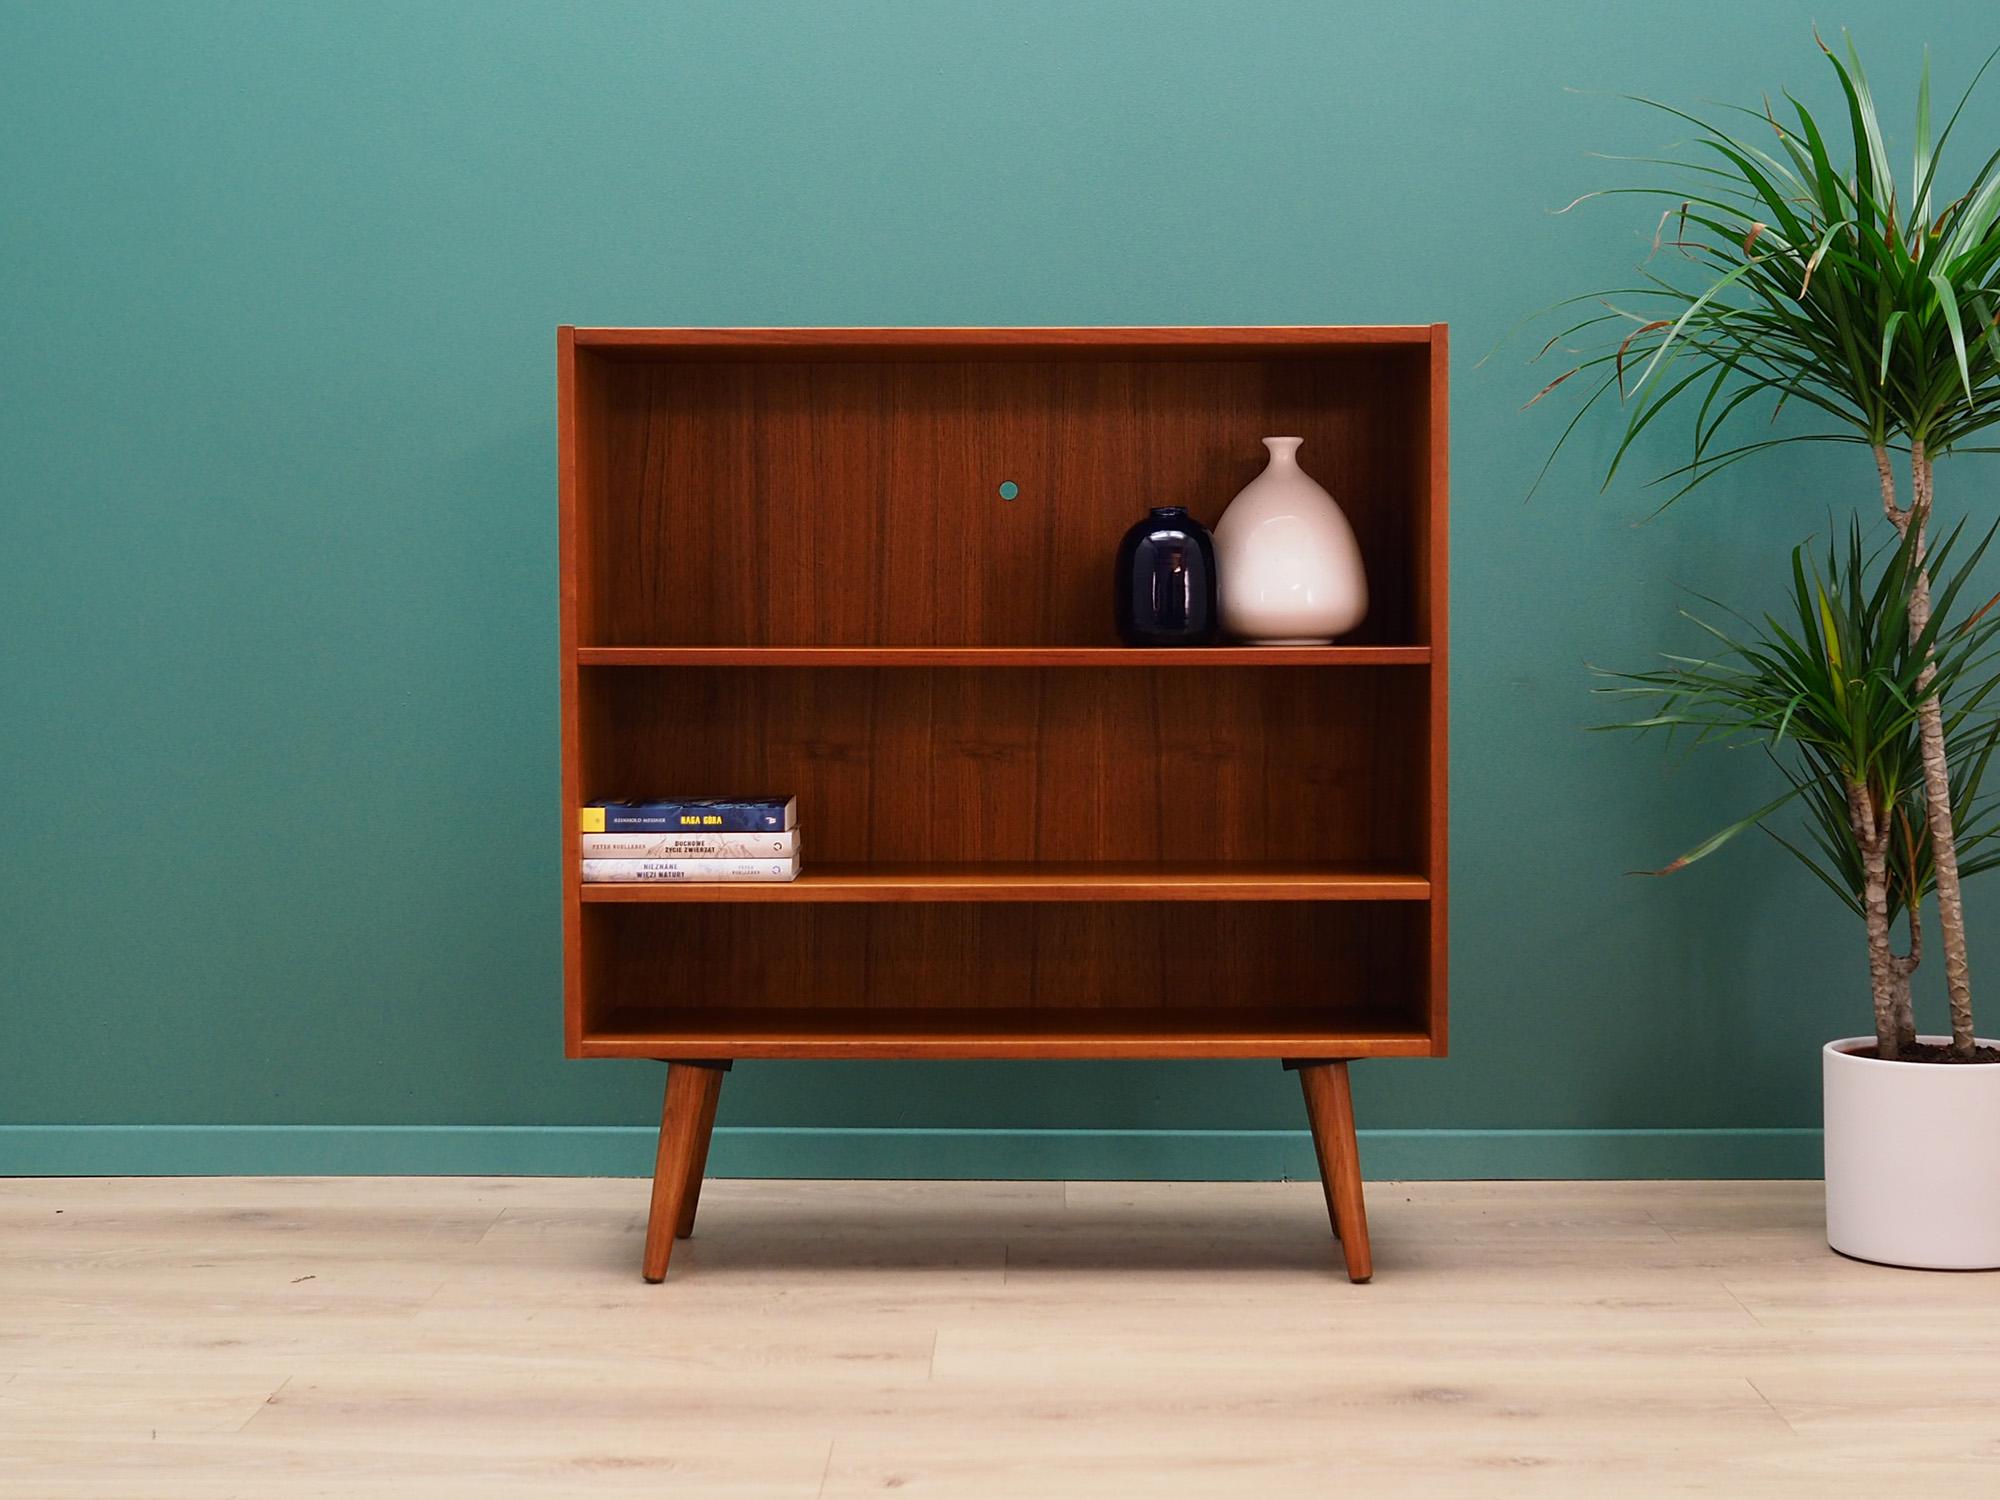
(413,1337)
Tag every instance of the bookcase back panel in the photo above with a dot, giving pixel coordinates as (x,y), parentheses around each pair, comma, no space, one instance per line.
(859,502)
(1314,765)
(668,967)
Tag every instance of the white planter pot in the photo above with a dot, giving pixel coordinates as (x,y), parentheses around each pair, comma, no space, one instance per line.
(1912,1159)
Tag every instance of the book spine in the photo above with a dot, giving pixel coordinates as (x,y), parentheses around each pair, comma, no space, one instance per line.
(691,845)
(609,870)
(685,817)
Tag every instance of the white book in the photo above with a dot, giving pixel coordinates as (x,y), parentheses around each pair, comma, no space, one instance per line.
(599,871)
(690,845)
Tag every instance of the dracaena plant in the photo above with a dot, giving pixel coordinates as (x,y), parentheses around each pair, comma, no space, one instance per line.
(1793,269)
(1835,693)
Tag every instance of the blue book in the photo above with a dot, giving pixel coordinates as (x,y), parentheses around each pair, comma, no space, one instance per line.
(691,815)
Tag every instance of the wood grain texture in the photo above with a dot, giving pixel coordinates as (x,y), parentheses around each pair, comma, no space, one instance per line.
(485,1339)
(856,504)
(1083,979)
(570,574)
(758,524)
(992,343)
(1329,1098)
(1082,881)
(1323,1151)
(1433,543)
(944,766)
(688,1109)
(1003,656)
(858,1033)
(709,1078)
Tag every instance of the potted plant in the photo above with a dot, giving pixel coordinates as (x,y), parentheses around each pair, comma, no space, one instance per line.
(1785,278)
(1835,694)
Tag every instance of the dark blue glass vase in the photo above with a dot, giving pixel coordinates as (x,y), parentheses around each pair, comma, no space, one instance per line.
(1164,591)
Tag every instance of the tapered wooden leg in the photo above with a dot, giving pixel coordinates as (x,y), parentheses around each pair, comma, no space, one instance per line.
(1320,1156)
(711,1092)
(1330,1109)
(688,1084)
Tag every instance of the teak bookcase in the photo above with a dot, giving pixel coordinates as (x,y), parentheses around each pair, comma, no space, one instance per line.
(787,567)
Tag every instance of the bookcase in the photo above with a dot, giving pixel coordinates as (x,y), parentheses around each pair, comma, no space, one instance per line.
(789,566)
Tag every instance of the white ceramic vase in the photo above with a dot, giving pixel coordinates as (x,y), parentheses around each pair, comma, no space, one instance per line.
(1288,571)
(1912,1159)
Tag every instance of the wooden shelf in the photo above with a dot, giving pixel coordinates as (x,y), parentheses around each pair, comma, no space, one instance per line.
(1003,656)
(1042,882)
(1074,1031)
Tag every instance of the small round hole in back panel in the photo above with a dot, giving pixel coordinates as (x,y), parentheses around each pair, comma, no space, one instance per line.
(1009,489)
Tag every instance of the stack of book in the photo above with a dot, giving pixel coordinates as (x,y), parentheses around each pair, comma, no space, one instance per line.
(691,838)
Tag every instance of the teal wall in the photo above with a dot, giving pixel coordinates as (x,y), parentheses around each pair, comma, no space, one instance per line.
(277,574)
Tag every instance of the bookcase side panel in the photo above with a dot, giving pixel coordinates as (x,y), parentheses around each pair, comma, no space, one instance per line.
(584,498)
(568,573)
(1434,512)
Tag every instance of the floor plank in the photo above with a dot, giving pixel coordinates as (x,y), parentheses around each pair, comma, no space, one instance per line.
(425,1337)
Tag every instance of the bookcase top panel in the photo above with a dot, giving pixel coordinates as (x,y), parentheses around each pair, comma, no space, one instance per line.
(995,343)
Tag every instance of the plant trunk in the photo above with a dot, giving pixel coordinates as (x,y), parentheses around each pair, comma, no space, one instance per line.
(1906,1016)
(1886,978)
(1906,968)
(1930,739)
